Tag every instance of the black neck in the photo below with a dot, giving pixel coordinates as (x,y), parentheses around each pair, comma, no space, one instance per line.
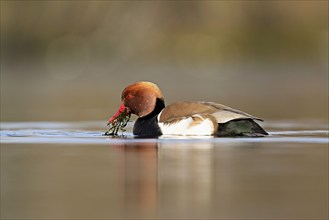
(147,126)
(159,105)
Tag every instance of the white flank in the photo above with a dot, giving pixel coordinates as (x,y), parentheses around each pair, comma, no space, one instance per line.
(187,126)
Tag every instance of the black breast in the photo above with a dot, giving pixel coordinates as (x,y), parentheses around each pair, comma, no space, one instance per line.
(147,127)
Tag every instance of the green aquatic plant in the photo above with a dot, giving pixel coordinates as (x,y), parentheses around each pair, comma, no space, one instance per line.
(118,123)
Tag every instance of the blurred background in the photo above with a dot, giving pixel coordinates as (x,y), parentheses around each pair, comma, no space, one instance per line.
(70,60)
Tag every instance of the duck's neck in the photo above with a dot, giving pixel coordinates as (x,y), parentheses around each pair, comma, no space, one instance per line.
(159,105)
(147,126)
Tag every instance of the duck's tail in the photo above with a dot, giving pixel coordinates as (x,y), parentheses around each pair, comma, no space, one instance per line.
(240,128)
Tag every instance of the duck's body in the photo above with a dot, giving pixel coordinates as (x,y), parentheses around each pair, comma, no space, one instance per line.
(183,118)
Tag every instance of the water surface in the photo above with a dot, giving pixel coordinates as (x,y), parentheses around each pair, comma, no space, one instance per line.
(70,170)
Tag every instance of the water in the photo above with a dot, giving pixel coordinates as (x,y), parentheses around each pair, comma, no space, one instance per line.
(70,170)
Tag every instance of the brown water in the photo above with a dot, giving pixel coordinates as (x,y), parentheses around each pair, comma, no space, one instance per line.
(69,170)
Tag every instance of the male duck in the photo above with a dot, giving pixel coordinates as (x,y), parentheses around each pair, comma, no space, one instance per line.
(145,100)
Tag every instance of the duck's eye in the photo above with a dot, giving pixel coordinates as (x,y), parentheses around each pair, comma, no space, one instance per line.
(128,96)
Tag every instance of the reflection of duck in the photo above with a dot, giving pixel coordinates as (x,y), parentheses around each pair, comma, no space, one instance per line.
(145,100)
(166,179)
(139,178)
(186,173)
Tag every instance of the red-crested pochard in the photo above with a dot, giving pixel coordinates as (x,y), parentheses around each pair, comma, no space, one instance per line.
(145,100)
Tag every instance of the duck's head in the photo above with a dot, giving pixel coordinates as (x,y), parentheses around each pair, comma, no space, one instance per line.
(139,98)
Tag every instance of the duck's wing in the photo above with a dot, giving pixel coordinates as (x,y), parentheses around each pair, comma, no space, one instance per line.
(221,113)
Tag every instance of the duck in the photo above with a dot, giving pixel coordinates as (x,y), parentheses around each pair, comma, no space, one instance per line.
(185,118)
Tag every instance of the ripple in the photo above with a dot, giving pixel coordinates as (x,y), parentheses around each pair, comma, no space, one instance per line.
(92,133)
